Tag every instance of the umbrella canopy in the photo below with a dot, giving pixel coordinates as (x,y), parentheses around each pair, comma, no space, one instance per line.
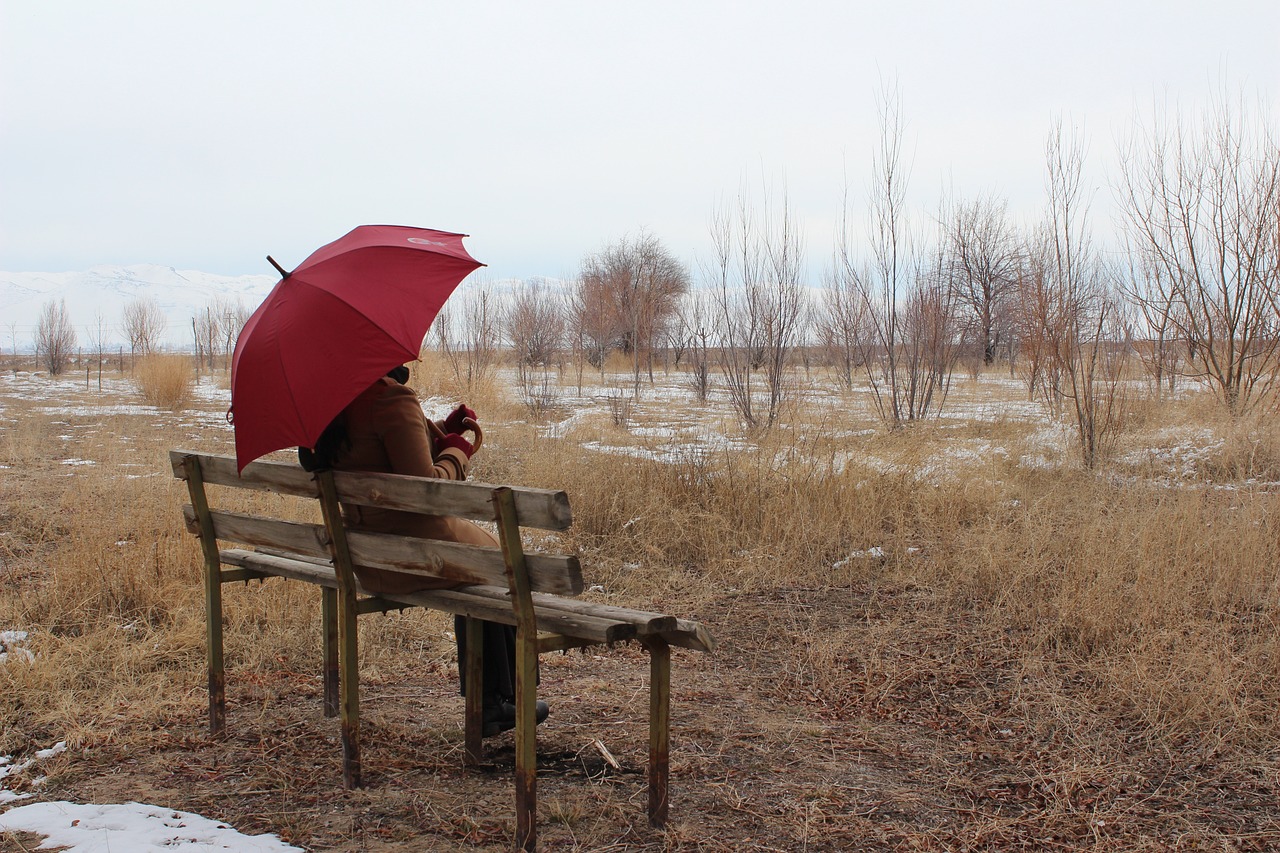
(349,313)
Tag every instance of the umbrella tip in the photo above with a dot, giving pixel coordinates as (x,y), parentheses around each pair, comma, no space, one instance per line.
(283,272)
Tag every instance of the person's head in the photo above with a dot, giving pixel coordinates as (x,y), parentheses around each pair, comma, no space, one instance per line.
(399,374)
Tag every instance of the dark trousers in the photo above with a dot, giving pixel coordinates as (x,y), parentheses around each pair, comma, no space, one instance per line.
(499,644)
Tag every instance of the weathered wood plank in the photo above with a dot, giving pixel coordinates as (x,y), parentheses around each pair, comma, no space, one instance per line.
(452,561)
(307,539)
(274,477)
(474,564)
(545,509)
(645,622)
(481,602)
(690,635)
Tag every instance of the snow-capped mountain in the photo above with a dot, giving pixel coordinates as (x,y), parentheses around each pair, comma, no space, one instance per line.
(97,297)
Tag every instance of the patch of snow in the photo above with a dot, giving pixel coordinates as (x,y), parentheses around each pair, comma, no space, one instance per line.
(136,827)
(57,749)
(875,552)
(11,645)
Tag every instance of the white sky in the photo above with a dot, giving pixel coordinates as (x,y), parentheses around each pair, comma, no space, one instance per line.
(206,135)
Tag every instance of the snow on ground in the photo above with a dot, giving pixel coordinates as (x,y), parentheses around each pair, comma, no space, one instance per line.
(11,646)
(132,827)
(8,768)
(109,828)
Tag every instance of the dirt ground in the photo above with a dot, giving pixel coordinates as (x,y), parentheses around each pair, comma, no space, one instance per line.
(930,741)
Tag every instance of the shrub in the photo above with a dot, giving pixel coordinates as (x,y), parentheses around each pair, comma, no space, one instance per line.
(165,381)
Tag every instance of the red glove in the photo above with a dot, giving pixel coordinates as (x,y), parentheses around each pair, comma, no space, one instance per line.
(456,441)
(453,423)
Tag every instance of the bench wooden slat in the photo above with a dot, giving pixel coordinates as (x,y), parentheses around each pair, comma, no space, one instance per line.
(452,561)
(678,632)
(545,509)
(645,622)
(480,601)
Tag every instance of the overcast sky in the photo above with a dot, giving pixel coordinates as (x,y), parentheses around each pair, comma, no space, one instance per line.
(205,135)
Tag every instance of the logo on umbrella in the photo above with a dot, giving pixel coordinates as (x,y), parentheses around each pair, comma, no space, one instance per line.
(423,242)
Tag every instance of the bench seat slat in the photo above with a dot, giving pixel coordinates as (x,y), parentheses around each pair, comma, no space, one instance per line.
(483,602)
(470,564)
(678,632)
(545,509)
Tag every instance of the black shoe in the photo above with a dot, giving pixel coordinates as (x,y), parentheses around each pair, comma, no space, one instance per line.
(502,716)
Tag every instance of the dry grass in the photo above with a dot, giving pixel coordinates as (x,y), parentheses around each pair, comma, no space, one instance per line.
(948,638)
(165,381)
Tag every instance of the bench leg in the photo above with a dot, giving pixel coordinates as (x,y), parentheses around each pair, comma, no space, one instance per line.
(349,665)
(329,632)
(659,730)
(213,640)
(473,669)
(526,740)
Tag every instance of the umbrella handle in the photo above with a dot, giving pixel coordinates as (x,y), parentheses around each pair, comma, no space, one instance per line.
(468,425)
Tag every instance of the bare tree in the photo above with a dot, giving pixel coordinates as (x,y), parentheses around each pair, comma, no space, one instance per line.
(701,325)
(842,320)
(535,324)
(1146,289)
(1202,206)
(1076,320)
(234,317)
(627,292)
(593,322)
(143,324)
(756,278)
(910,353)
(207,330)
(98,340)
(983,261)
(469,337)
(55,337)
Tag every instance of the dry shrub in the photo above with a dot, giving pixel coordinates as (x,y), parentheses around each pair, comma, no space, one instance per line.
(1250,450)
(431,376)
(165,381)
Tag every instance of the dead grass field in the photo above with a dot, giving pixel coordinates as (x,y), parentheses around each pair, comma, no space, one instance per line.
(952,638)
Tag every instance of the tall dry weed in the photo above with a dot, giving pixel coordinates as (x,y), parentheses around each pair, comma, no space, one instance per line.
(165,381)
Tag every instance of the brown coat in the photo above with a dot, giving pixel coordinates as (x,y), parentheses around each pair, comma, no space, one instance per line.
(388,434)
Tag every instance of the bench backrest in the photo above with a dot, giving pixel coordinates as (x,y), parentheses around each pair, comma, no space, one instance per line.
(465,564)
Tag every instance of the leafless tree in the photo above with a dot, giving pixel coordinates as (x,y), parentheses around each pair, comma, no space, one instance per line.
(55,337)
(1158,346)
(677,334)
(983,261)
(207,330)
(701,324)
(535,327)
(592,321)
(535,324)
(234,317)
(910,353)
(756,282)
(143,325)
(469,334)
(628,291)
(1075,319)
(1202,207)
(98,340)
(842,320)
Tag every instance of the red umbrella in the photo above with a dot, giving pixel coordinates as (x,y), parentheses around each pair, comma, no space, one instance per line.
(349,313)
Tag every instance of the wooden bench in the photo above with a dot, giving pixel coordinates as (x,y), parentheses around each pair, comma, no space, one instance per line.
(531,591)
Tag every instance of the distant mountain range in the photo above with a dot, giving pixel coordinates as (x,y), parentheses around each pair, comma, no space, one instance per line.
(97,296)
